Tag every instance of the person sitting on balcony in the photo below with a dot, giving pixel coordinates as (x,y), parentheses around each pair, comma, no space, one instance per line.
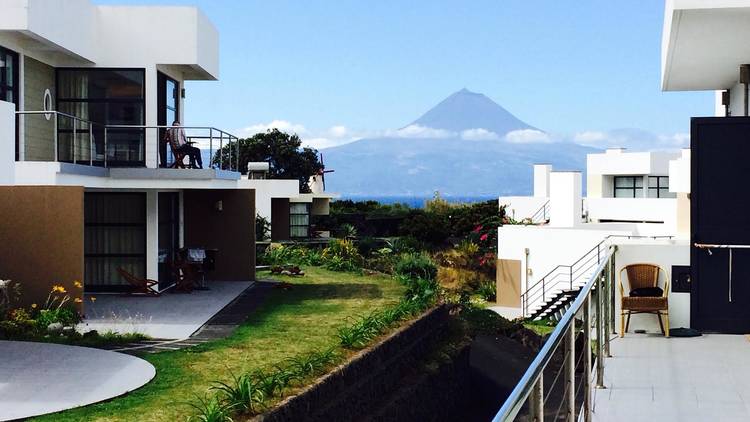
(177,135)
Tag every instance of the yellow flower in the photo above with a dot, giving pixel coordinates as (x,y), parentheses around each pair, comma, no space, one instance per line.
(33,306)
(77,300)
(78,284)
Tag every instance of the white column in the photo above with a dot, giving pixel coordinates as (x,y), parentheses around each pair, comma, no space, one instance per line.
(541,180)
(565,199)
(7,143)
(152,234)
(152,135)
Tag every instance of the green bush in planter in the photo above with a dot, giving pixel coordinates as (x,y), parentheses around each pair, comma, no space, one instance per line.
(416,265)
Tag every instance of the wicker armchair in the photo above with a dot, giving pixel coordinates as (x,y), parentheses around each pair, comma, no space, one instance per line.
(642,276)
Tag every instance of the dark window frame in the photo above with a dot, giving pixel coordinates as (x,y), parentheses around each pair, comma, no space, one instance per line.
(662,191)
(14,88)
(144,225)
(292,226)
(139,101)
(632,186)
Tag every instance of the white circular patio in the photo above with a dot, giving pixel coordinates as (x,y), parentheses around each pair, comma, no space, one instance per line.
(41,378)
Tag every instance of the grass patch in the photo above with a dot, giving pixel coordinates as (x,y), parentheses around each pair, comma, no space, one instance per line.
(291,323)
(542,327)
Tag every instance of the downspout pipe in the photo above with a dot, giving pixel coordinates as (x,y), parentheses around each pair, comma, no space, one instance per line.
(745,81)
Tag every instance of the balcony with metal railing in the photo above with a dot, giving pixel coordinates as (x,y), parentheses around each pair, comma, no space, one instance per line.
(53,136)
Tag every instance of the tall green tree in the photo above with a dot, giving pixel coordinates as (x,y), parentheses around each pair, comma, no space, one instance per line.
(284,152)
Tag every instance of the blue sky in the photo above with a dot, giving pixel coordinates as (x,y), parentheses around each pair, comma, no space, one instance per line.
(335,71)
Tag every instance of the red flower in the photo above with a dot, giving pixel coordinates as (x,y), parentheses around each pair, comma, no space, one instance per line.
(477,229)
(483,237)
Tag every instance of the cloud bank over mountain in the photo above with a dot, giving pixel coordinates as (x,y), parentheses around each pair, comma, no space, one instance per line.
(465,145)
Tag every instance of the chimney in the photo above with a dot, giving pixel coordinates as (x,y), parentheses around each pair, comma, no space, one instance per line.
(541,180)
(565,199)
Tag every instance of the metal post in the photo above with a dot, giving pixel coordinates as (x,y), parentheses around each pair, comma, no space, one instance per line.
(210,147)
(105,146)
(536,406)
(613,289)
(570,371)
(55,138)
(237,145)
(571,277)
(221,151)
(75,133)
(605,301)
(91,144)
(599,334)
(587,359)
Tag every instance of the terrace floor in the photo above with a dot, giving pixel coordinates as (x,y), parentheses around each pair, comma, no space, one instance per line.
(169,316)
(652,378)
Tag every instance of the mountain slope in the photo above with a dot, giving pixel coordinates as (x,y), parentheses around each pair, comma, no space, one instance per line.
(418,166)
(464,110)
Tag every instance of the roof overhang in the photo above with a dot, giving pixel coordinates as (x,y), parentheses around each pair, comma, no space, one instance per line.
(704,43)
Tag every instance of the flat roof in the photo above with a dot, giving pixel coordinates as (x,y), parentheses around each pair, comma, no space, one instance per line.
(704,43)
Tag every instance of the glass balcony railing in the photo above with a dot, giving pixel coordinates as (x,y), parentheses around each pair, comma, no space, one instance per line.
(60,137)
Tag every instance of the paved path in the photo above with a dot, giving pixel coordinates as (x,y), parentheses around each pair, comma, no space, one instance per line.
(40,378)
(652,378)
(220,326)
(171,315)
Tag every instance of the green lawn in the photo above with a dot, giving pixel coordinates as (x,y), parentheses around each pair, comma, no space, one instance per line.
(291,322)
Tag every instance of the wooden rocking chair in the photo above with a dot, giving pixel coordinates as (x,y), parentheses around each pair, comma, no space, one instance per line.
(140,285)
(644,277)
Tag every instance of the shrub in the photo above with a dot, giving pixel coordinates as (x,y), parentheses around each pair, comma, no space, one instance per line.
(242,393)
(66,316)
(342,255)
(406,244)
(262,228)
(488,291)
(210,409)
(430,228)
(416,265)
(367,246)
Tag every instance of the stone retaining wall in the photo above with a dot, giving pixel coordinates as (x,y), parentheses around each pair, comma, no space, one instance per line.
(349,391)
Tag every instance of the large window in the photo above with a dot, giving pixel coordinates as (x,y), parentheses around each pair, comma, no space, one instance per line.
(628,187)
(658,187)
(109,97)
(299,220)
(115,237)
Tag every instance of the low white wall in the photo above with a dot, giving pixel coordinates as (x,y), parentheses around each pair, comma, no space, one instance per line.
(633,209)
(520,207)
(7,143)
(265,189)
(549,247)
(665,254)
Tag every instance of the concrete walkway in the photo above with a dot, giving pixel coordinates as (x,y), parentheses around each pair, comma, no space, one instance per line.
(652,378)
(169,316)
(41,378)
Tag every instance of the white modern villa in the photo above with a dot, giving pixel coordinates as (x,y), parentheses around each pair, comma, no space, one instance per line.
(673,220)
(88,183)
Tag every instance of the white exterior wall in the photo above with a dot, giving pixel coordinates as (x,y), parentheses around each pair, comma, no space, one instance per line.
(520,207)
(679,173)
(633,209)
(7,143)
(549,247)
(565,201)
(266,189)
(152,234)
(665,254)
(541,180)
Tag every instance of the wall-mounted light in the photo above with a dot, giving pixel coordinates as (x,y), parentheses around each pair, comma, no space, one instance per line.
(219,206)
(182,92)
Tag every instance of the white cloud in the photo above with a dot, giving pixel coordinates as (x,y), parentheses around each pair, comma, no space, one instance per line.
(419,131)
(527,136)
(479,134)
(634,139)
(333,136)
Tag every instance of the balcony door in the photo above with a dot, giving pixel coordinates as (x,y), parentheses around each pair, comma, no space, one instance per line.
(9,81)
(168,103)
(720,200)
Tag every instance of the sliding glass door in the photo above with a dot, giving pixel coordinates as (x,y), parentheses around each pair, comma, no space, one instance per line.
(107,97)
(115,237)
(168,103)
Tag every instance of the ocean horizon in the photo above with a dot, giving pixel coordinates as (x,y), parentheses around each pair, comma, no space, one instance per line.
(417,201)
